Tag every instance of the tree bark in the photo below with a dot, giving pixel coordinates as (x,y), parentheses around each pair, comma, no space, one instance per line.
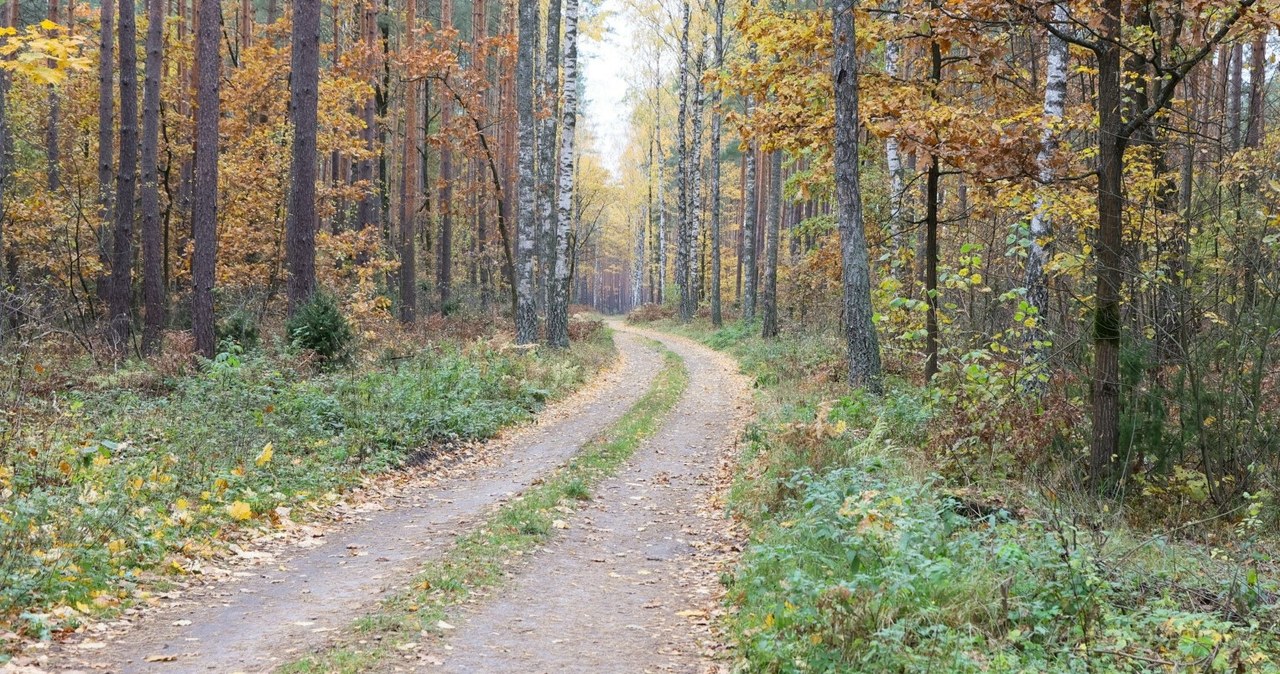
(682,173)
(1257,91)
(126,181)
(695,185)
(860,329)
(444,263)
(548,93)
(526,318)
(304,86)
(106,139)
(769,290)
(749,213)
(409,183)
(1111,146)
(368,209)
(716,318)
(153,291)
(898,212)
(52,150)
(204,206)
(1041,228)
(558,307)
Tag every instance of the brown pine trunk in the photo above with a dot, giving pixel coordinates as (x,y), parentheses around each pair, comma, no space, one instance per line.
(409,183)
(300,228)
(152,246)
(204,207)
(1111,146)
(444,265)
(106,140)
(126,181)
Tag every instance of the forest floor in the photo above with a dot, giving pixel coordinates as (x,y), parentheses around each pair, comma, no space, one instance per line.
(628,579)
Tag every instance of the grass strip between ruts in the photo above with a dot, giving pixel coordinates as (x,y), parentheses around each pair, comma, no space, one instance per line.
(478,561)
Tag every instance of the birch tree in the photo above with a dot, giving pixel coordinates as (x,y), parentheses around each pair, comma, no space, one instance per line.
(1041,227)
(683,225)
(716,318)
(526,318)
(558,307)
(548,93)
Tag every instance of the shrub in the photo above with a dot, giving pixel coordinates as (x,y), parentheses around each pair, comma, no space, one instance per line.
(647,313)
(319,326)
(240,327)
(583,329)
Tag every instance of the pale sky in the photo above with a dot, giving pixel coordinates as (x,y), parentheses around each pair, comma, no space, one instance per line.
(604,70)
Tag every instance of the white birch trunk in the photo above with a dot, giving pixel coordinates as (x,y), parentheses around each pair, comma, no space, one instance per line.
(558,306)
(1041,228)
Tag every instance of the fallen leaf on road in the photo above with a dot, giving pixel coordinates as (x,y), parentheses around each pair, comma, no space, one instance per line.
(161,658)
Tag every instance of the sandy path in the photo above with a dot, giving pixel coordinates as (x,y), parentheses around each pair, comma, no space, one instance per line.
(276,612)
(627,588)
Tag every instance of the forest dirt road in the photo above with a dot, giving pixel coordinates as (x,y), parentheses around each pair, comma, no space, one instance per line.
(630,586)
(625,589)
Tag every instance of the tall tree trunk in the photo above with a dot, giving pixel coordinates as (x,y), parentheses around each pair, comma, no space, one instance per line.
(304,85)
(1041,229)
(932,199)
(859,327)
(52,150)
(695,185)
(558,308)
(444,263)
(1235,90)
(749,226)
(716,318)
(368,209)
(1112,141)
(409,182)
(1257,91)
(526,318)
(126,180)
(769,290)
(898,212)
(153,295)
(548,93)
(106,139)
(204,206)
(683,251)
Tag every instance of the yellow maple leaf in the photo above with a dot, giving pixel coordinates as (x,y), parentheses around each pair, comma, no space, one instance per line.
(240,511)
(265,457)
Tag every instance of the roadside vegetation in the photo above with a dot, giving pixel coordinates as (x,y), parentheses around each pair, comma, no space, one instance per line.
(872,549)
(112,481)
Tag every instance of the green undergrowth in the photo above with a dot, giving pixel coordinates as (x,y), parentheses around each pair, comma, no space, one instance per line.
(107,489)
(863,559)
(480,559)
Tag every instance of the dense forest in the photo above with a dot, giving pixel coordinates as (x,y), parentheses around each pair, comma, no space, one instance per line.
(1004,275)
